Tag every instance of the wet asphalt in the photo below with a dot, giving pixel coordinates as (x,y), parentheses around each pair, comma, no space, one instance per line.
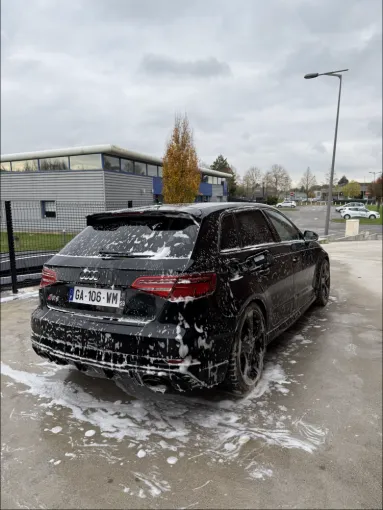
(312,217)
(310,435)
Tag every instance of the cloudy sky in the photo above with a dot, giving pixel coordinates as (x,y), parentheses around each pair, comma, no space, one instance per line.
(86,72)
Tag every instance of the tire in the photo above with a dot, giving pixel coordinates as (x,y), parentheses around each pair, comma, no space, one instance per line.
(243,373)
(346,216)
(323,283)
(372,217)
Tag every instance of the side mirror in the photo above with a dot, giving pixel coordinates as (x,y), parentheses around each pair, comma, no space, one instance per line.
(309,235)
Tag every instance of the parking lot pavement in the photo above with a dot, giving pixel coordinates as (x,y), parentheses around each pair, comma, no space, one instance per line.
(312,217)
(309,436)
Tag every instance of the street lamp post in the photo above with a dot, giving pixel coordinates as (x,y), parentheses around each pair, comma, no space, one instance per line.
(329,200)
(374,174)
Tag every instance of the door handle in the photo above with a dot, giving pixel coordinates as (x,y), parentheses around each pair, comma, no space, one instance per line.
(260,263)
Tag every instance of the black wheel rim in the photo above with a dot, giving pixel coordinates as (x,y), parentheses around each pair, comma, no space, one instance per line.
(251,349)
(325,280)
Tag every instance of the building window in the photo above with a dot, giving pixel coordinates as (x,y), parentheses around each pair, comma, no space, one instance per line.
(210,179)
(61,163)
(127,166)
(139,168)
(5,166)
(160,171)
(29,165)
(152,170)
(48,209)
(111,163)
(86,162)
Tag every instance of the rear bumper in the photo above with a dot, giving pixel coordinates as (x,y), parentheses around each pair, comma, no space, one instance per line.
(130,351)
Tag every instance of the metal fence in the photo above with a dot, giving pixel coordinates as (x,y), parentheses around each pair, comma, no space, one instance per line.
(31,232)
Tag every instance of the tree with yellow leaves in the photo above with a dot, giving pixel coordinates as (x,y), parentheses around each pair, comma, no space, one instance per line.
(181,177)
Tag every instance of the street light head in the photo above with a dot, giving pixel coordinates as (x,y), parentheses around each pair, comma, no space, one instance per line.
(311,75)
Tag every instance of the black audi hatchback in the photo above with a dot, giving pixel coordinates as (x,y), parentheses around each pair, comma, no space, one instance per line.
(178,297)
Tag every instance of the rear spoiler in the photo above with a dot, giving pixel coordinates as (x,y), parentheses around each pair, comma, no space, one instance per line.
(97,218)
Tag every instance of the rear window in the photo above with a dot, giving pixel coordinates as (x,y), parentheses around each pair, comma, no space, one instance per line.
(156,237)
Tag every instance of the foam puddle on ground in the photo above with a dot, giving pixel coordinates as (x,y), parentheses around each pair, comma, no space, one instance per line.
(20,295)
(163,426)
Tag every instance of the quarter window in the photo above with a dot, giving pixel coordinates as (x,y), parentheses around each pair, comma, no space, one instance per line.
(286,230)
(229,238)
(253,228)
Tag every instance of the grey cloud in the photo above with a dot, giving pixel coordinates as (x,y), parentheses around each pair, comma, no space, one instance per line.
(240,64)
(159,65)
(375,126)
(319,147)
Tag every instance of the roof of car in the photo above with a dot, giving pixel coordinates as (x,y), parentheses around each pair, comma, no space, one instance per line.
(195,209)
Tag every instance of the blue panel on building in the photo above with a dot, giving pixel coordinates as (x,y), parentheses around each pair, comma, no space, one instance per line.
(157,186)
(206,189)
(225,188)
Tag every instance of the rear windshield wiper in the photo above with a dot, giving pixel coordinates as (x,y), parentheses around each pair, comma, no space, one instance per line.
(121,254)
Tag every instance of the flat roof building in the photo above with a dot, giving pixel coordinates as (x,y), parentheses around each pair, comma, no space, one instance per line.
(101,176)
(94,173)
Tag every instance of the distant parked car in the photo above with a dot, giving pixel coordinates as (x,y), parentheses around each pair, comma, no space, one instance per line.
(350,204)
(359,212)
(286,203)
(178,296)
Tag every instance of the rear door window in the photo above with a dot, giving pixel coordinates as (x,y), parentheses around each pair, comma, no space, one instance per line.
(253,228)
(155,237)
(229,238)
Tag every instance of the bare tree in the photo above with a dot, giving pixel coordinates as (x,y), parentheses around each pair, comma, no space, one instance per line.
(278,180)
(308,181)
(327,179)
(252,180)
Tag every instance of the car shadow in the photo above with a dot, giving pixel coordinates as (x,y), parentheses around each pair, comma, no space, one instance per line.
(124,389)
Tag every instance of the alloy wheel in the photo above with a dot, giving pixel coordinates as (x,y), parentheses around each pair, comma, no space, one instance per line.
(325,280)
(251,348)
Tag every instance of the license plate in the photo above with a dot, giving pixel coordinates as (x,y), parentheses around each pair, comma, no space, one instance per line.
(92,296)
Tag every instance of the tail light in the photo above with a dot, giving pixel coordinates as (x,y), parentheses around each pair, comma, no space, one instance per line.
(178,288)
(48,277)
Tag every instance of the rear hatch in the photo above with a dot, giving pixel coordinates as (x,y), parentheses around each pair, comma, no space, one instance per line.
(122,265)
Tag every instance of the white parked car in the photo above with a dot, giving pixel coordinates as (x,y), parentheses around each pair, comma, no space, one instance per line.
(286,203)
(350,204)
(359,212)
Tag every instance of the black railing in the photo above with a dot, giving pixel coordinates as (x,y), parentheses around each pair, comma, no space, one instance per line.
(31,232)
